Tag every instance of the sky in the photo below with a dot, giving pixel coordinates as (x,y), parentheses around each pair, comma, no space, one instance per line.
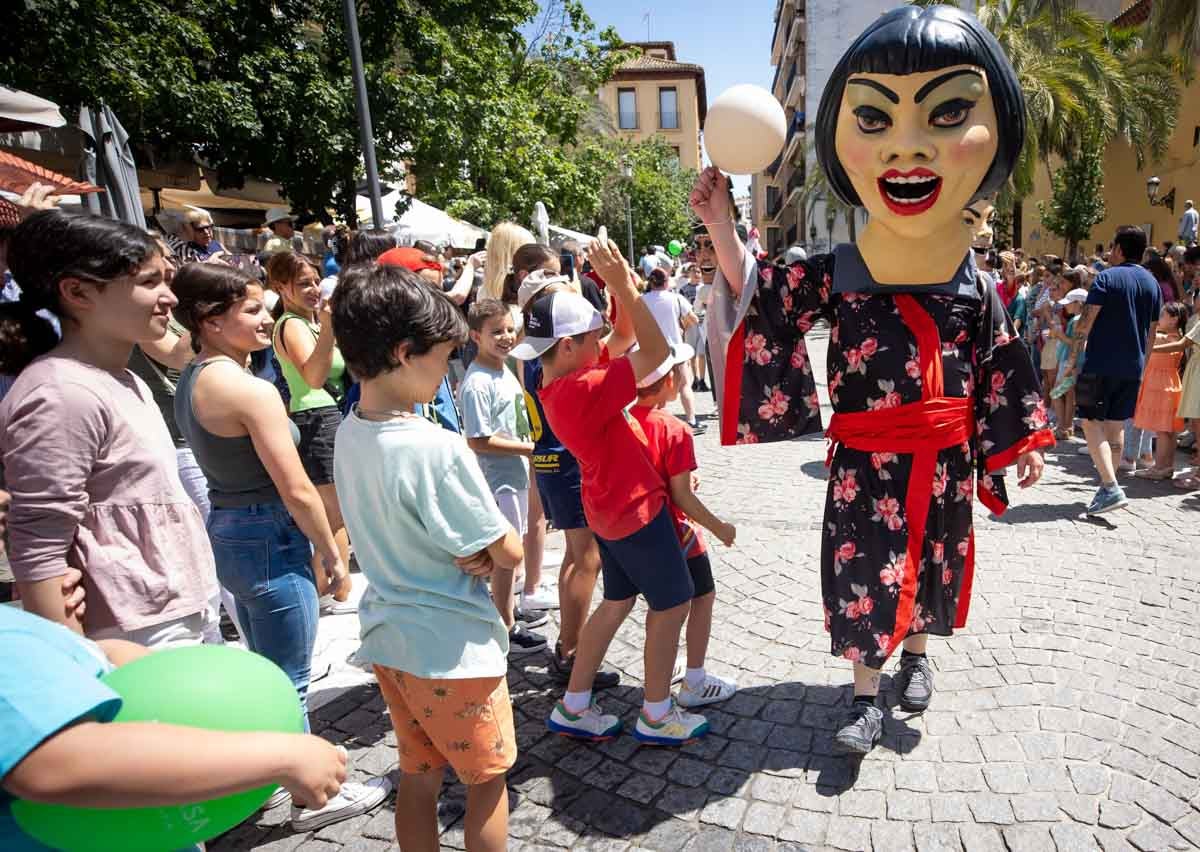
(732,40)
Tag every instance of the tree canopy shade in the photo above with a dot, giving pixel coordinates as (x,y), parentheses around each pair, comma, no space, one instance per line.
(488,117)
(1077,202)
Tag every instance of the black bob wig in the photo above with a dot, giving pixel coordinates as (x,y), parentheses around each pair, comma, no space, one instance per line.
(911,40)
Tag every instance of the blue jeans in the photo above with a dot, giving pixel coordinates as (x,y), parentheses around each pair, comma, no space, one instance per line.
(1137,441)
(264,560)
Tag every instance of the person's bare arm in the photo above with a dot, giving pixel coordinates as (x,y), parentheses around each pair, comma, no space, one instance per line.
(148,764)
(710,201)
(691,505)
(507,551)
(1082,329)
(171,350)
(652,346)
(313,359)
(621,339)
(462,287)
(1179,345)
(500,446)
(50,599)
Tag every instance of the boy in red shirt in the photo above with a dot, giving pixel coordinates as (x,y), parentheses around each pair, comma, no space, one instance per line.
(673,455)
(585,396)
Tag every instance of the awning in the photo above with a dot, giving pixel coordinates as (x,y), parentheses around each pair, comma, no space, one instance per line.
(23,111)
(205,197)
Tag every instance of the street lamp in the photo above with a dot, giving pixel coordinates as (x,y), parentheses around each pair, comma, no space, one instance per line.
(627,175)
(812,238)
(1167,200)
(830,216)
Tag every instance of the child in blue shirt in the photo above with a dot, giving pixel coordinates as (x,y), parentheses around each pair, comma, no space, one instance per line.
(58,743)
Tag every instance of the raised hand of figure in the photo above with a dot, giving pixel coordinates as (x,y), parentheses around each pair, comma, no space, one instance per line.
(1029,468)
(607,261)
(710,196)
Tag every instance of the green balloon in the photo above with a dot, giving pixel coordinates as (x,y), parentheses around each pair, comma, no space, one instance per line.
(206,686)
(674,248)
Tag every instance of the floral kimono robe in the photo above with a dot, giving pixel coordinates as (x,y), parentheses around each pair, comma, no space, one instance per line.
(933,395)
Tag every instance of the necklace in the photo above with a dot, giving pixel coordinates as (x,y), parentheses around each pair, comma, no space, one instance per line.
(383,414)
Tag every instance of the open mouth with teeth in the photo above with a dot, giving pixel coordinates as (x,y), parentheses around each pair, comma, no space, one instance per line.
(909,193)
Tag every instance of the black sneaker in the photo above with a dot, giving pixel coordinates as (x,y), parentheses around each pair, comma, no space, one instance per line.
(530,617)
(704,386)
(914,683)
(522,641)
(861,729)
(561,667)
(698,428)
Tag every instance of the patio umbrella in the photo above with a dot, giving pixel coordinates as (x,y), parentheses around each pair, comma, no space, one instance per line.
(108,162)
(21,111)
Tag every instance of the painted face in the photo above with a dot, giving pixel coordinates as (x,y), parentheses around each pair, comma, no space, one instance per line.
(916,147)
(706,257)
(980,219)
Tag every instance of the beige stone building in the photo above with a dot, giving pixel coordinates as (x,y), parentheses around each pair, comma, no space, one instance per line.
(1125,192)
(655,94)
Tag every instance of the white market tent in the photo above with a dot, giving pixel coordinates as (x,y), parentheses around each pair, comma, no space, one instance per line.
(422,222)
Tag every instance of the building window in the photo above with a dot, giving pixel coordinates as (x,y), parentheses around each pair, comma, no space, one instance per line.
(627,109)
(668,109)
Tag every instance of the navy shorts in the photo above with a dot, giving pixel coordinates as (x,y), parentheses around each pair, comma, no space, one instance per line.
(648,563)
(702,579)
(1106,397)
(562,499)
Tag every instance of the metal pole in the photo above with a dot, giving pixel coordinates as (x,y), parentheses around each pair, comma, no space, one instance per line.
(366,134)
(629,227)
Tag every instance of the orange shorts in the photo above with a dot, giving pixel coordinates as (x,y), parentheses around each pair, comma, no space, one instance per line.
(466,723)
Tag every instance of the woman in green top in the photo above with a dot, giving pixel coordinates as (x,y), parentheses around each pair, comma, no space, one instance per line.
(314,371)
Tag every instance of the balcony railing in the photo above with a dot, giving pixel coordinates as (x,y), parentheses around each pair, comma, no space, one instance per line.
(627,121)
(774,167)
(668,120)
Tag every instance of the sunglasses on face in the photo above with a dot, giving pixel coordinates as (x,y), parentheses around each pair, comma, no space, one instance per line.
(208,227)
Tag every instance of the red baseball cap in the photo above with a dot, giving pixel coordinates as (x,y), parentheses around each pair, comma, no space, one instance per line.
(412,259)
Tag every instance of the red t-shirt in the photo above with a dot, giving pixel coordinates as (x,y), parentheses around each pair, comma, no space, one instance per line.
(622,492)
(672,451)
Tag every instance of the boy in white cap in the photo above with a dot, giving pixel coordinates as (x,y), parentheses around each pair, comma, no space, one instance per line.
(673,453)
(585,395)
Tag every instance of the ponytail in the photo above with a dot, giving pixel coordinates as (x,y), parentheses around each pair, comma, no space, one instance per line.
(24,336)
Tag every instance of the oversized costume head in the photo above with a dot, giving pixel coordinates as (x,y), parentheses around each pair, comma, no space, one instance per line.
(922,116)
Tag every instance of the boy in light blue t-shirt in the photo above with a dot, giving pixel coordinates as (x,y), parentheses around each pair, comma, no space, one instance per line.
(496,426)
(426,531)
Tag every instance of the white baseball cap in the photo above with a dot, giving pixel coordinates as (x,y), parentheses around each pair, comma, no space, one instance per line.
(680,353)
(534,283)
(553,317)
(1076,295)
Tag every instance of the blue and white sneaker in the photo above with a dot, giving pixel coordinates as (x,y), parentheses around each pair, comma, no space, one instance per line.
(592,724)
(1108,499)
(674,729)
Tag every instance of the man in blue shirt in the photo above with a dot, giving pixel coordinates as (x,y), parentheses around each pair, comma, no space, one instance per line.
(1118,323)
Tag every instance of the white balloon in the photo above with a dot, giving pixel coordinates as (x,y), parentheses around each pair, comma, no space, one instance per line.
(745,130)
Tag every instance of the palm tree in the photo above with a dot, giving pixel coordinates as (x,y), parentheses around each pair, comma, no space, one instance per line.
(1171,18)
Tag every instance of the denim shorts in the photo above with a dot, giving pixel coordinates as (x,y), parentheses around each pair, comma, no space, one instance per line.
(318,428)
(265,562)
(647,563)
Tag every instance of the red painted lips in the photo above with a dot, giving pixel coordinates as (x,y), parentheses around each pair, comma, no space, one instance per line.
(909,193)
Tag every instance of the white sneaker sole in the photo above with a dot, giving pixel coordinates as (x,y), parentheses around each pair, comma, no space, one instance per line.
(362,806)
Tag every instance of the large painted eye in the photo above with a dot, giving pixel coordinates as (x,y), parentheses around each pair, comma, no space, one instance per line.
(871,119)
(951,113)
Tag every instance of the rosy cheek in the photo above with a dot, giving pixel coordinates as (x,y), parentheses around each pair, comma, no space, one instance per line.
(975,147)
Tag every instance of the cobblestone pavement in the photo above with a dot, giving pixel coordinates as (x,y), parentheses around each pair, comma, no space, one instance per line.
(1065,716)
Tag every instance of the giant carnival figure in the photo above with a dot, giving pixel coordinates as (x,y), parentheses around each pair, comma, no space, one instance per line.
(933,393)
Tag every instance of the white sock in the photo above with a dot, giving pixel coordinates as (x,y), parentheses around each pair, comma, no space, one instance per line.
(695,678)
(577,702)
(655,710)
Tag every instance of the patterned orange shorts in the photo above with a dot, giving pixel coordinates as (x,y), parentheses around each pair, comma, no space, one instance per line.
(466,723)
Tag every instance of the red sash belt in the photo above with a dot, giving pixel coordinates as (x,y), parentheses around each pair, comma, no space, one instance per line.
(919,429)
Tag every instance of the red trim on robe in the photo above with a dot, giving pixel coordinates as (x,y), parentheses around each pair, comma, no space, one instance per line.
(1035,441)
(964,589)
(731,395)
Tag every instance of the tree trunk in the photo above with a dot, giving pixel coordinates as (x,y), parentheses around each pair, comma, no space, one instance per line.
(1017,210)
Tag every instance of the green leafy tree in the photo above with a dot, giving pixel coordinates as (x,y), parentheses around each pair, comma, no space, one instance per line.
(658,191)
(1077,201)
(488,117)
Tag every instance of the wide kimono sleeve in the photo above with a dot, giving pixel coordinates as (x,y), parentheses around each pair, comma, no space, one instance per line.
(1010,414)
(763,379)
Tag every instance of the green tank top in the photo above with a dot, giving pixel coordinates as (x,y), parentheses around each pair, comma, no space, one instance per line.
(305,398)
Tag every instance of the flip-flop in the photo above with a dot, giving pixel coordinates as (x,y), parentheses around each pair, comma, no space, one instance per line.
(1186,483)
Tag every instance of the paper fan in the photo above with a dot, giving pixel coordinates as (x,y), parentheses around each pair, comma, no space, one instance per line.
(17,175)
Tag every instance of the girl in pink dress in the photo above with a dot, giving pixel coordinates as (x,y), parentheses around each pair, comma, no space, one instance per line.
(1158,399)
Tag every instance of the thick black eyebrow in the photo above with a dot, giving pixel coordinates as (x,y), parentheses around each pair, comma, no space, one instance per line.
(972,211)
(924,91)
(879,87)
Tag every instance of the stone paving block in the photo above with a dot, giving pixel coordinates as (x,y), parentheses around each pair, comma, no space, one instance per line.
(1028,838)
(1159,803)
(892,837)
(909,806)
(1069,837)
(936,837)
(689,772)
(990,808)
(805,827)
(850,833)
(641,787)
(712,839)
(725,812)
(1034,807)
(764,818)
(981,838)
(668,835)
(1084,809)
(870,804)
(960,778)
(918,776)
(1152,836)
(1089,778)
(683,802)
(812,799)
(1006,777)
(771,788)
(950,807)
(1119,815)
